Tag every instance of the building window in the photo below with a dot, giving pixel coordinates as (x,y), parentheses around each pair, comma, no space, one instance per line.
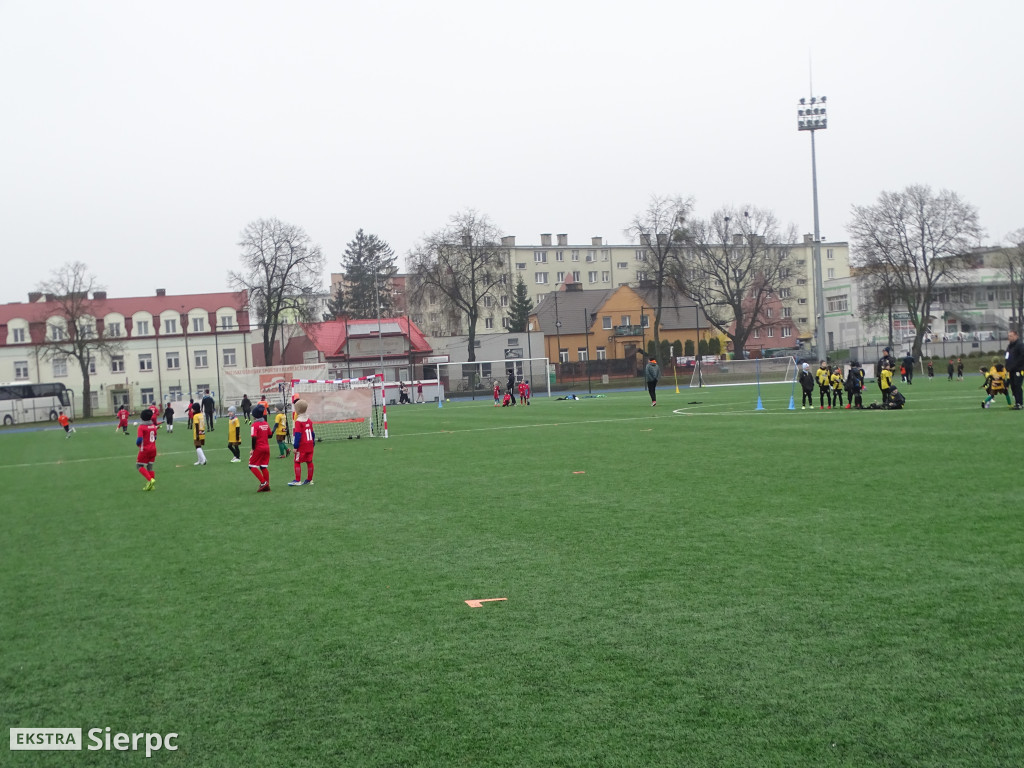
(801,281)
(784,293)
(757,333)
(625,320)
(113,330)
(142,328)
(605,254)
(170,326)
(173,361)
(21,370)
(92,366)
(503,279)
(591,256)
(201,358)
(60,366)
(802,320)
(18,335)
(229,358)
(174,393)
(198,325)
(559,255)
(645,321)
(541,278)
(488,301)
(560,277)
(576,275)
(575,256)
(540,257)
(117,364)
(641,277)
(563,355)
(787,311)
(606,276)
(771,332)
(831,273)
(768,311)
(602,354)
(829,254)
(621,265)
(520,265)
(504,299)
(581,354)
(489,323)
(592,277)
(146,362)
(147,396)
(836,303)
(801,301)
(606,323)
(787,332)
(505,322)
(227,323)
(57,333)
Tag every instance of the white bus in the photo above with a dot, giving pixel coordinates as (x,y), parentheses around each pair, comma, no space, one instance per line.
(21,403)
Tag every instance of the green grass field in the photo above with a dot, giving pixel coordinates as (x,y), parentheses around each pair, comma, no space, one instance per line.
(697,584)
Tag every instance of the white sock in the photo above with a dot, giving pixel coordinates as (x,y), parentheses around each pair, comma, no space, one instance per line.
(201,455)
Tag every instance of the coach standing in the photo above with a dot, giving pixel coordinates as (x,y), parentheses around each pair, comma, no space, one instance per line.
(510,386)
(885,359)
(651,375)
(1015,367)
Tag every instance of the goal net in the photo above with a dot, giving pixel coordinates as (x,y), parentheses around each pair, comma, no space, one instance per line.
(477,379)
(726,373)
(344,408)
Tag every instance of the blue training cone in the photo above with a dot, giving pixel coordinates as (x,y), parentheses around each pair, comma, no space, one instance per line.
(792,405)
(759,406)
(440,402)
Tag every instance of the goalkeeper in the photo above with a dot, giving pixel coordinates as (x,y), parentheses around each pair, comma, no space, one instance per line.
(304,441)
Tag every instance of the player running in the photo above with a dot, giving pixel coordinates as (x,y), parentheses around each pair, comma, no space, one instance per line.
(122,420)
(146,441)
(259,458)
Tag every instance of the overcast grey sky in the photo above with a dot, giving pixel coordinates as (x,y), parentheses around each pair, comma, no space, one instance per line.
(142,137)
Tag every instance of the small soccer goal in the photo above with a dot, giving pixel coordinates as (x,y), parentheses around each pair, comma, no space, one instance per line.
(734,373)
(344,409)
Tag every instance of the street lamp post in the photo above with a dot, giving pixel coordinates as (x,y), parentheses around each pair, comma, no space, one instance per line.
(813,117)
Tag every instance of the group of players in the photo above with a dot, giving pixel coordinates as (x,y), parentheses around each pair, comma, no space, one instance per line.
(303,439)
(832,385)
(509,399)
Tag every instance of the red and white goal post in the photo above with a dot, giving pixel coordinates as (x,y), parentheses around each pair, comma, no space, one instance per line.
(344,408)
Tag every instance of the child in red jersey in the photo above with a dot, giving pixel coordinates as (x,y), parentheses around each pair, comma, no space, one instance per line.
(146,441)
(259,459)
(122,420)
(497,394)
(304,440)
(64,421)
(506,401)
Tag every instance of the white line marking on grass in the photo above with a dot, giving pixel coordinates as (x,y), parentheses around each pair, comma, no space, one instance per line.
(80,461)
(528,426)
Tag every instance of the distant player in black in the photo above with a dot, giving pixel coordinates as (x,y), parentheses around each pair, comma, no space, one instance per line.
(246,409)
(806,386)
(510,388)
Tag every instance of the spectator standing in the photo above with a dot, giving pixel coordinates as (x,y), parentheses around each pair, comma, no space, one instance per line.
(208,406)
(806,386)
(246,405)
(908,364)
(949,369)
(931,369)
(652,373)
(884,361)
(1015,369)
(510,388)
(959,369)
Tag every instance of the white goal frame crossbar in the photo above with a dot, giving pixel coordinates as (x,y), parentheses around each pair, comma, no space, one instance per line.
(376,381)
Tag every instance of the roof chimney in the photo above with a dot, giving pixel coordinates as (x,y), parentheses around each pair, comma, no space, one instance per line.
(161,291)
(35,296)
(595,241)
(563,240)
(737,238)
(509,241)
(545,239)
(99,295)
(808,239)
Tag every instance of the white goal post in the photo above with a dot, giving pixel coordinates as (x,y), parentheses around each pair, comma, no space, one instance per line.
(734,373)
(344,408)
(477,378)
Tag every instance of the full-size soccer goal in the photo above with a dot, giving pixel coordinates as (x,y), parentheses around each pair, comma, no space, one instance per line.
(344,408)
(477,379)
(729,373)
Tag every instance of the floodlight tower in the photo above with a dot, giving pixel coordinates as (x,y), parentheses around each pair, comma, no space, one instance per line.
(812,117)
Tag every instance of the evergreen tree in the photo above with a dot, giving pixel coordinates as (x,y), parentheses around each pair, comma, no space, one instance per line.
(520,308)
(688,348)
(336,304)
(368,266)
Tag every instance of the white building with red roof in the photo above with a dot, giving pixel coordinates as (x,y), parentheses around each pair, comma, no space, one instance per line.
(162,347)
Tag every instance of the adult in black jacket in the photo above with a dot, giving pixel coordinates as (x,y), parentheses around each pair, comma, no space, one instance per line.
(908,366)
(510,387)
(1015,367)
(246,408)
(208,406)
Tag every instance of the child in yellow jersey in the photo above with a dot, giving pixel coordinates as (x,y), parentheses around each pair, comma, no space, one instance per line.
(885,383)
(234,435)
(198,434)
(281,433)
(837,386)
(823,375)
(996,384)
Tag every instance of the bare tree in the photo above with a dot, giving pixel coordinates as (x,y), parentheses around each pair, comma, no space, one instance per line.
(76,335)
(461,264)
(878,296)
(1013,268)
(282,269)
(733,264)
(658,230)
(917,238)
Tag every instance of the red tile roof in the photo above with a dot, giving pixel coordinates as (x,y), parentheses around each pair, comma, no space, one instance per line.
(39,311)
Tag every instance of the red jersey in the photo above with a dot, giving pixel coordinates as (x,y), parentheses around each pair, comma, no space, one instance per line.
(261,431)
(63,419)
(522,389)
(147,432)
(497,391)
(122,418)
(305,437)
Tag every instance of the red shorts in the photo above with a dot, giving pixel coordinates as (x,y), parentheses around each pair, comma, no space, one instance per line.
(303,456)
(146,456)
(259,457)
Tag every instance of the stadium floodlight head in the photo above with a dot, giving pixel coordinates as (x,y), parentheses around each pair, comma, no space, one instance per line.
(813,117)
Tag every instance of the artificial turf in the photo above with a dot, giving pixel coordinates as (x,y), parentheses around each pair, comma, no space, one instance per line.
(698,584)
